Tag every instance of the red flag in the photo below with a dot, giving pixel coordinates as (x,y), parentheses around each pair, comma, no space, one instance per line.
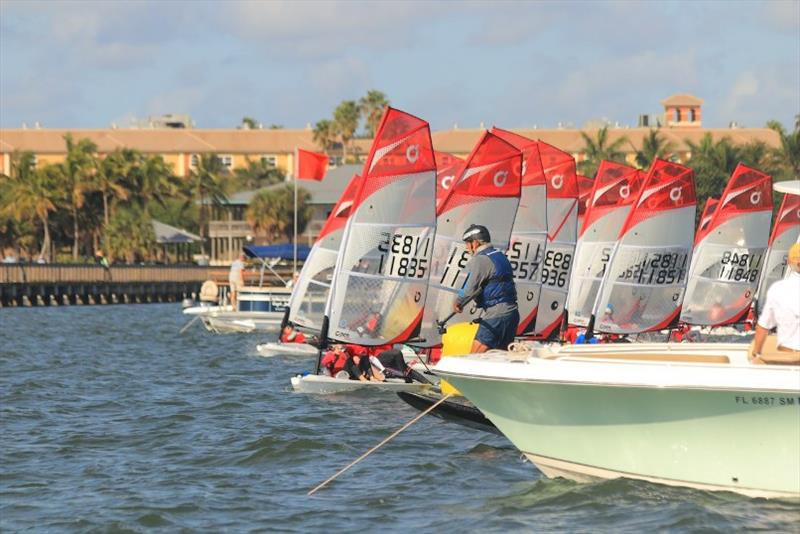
(310,165)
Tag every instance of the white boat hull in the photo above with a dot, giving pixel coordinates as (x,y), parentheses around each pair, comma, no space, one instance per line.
(325,385)
(598,412)
(286,349)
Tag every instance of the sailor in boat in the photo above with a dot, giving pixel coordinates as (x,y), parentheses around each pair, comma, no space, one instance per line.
(290,334)
(490,282)
(781,311)
(236,277)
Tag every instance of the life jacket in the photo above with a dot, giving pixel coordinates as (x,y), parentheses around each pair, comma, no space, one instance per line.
(294,337)
(500,287)
(334,362)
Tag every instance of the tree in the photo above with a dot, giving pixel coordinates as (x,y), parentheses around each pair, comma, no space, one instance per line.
(787,157)
(371,108)
(249,123)
(78,170)
(325,134)
(712,162)
(112,174)
(130,234)
(600,149)
(345,119)
(209,179)
(257,174)
(271,212)
(29,194)
(653,146)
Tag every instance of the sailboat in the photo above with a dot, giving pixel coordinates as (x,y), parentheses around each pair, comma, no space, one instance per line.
(310,294)
(486,192)
(785,233)
(614,191)
(729,252)
(380,280)
(562,232)
(529,233)
(647,271)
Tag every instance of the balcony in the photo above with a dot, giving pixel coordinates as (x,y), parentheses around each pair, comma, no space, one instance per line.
(229,229)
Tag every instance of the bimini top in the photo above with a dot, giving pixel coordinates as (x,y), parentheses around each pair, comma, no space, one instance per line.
(283,251)
(790,187)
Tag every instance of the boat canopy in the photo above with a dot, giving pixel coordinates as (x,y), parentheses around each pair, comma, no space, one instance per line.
(284,251)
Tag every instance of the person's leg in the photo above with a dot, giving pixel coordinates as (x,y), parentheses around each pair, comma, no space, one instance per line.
(393,359)
(487,336)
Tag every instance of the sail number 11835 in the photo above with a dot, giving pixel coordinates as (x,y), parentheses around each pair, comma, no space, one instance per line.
(403,255)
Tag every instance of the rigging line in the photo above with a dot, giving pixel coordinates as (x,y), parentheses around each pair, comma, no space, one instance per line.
(379,445)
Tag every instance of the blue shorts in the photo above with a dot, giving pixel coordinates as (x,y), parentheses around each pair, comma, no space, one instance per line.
(498,332)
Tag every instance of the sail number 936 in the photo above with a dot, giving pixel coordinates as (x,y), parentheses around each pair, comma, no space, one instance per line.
(555,270)
(403,255)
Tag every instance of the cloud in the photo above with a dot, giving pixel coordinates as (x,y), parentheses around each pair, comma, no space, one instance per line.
(783,15)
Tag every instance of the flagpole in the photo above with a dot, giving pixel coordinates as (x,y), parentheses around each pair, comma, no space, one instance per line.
(297,169)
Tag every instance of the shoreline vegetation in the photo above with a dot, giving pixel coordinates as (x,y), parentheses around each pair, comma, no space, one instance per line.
(105,203)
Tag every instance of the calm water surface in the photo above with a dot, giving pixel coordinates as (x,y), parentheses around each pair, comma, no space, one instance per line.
(111,421)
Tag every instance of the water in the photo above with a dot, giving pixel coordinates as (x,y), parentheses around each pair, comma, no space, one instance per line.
(111,421)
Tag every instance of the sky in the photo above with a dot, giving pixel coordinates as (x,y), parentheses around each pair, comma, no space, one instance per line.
(91,64)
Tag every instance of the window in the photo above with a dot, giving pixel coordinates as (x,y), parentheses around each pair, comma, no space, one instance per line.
(677,115)
(227,161)
(194,161)
(692,115)
(269,161)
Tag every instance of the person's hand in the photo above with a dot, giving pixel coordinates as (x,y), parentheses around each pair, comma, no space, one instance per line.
(457,307)
(756,359)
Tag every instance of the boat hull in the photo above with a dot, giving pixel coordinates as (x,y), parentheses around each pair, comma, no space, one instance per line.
(286,349)
(746,440)
(325,385)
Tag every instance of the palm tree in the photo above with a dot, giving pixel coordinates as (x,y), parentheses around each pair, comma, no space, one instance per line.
(257,174)
(653,146)
(110,180)
(600,149)
(208,178)
(325,134)
(712,162)
(787,157)
(345,119)
(271,212)
(249,123)
(371,108)
(78,170)
(28,193)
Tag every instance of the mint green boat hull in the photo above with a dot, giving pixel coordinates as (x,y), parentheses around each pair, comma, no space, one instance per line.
(711,439)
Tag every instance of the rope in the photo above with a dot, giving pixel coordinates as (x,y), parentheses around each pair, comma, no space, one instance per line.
(378,446)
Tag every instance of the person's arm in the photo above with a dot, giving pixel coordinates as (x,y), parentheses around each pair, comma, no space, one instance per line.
(766,322)
(479,270)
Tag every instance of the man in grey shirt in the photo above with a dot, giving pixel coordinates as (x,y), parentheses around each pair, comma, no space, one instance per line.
(490,282)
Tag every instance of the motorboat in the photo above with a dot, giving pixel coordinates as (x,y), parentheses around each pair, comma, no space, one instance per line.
(259,308)
(698,415)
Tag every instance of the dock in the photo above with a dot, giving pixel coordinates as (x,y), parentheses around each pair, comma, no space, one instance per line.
(24,284)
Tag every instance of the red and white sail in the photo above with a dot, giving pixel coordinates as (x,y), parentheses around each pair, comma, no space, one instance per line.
(614,191)
(310,294)
(708,214)
(486,192)
(649,265)
(448,169)
(529,233)
(785,233)
(729,252)
(562,232)
(585,186)
(381,276)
